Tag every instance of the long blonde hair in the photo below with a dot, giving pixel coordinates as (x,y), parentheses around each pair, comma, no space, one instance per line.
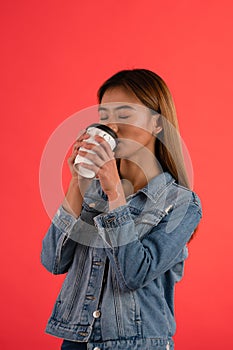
(153,92)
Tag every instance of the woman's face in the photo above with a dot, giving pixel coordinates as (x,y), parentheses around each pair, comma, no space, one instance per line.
(130,119)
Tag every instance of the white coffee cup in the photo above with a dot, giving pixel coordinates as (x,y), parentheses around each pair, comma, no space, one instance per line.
(94,129)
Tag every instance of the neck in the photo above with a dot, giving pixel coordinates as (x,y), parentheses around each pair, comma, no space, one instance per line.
(136,173)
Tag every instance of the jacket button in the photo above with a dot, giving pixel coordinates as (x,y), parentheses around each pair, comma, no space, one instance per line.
(83,334)
(96,314)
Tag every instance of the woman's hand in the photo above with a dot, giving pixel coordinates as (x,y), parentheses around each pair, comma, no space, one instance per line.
(105,168)
(78,185)
(80,142)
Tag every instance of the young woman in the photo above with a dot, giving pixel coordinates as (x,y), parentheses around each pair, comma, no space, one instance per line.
(122,237)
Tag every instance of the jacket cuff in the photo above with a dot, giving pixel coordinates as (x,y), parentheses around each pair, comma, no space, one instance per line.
(63,220)
(116,227)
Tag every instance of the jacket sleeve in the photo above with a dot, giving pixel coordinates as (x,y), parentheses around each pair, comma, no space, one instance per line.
(138,261)
(57,246)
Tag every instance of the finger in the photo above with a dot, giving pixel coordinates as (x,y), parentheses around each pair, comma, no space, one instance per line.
(97,155)
(91,167)
(80,142)
(95,158)
(103,149)
(97,149)
(81,133)
(104,144)
(83,136)
(71,159)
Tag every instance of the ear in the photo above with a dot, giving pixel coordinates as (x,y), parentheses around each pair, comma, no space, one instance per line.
(157,124)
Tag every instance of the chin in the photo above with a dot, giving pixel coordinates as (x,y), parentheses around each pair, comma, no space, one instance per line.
(126,153)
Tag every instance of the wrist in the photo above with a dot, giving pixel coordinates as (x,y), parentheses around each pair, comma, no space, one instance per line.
(116,198)
(112,196)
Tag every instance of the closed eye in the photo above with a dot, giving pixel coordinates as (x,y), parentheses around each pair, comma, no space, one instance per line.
(123,116)
(104,117)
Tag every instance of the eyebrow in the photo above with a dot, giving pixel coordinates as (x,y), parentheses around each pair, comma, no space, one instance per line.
(101,108)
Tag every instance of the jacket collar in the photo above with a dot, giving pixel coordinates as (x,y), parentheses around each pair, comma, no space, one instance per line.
(153,190)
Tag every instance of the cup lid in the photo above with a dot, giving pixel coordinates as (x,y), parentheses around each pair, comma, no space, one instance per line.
(104,128)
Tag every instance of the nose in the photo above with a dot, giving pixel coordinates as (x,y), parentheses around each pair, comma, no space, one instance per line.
(113,126)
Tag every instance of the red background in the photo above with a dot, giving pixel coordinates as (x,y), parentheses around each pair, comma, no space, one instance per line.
(55,54)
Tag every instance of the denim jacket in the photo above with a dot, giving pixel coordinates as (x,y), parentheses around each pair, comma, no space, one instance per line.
(121,265)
